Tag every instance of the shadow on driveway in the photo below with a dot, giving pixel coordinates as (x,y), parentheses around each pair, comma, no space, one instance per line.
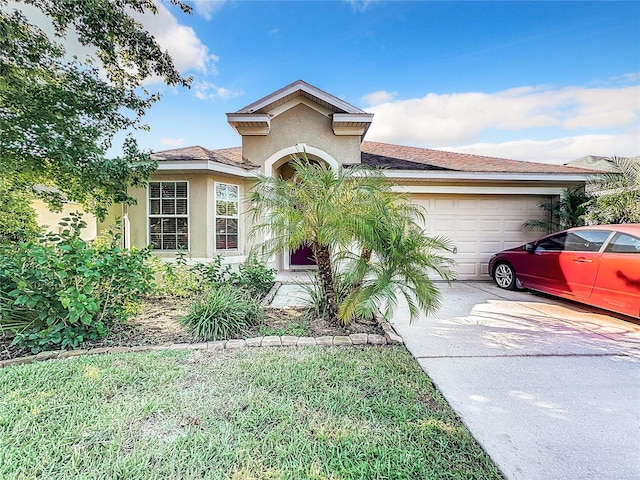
(550,389)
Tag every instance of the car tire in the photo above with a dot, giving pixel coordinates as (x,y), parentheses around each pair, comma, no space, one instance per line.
(505,276)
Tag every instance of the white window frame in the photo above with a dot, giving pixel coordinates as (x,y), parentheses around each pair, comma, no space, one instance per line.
(161,215)
(226,217)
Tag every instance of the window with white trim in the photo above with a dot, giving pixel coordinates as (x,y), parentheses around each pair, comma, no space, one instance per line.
(169,215)
(226,216)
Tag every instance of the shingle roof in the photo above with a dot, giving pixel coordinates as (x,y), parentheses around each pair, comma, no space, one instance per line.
(389,156)
(597,162)
(399,157)
(225,156)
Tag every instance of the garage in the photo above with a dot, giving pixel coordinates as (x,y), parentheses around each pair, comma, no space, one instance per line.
(479,225)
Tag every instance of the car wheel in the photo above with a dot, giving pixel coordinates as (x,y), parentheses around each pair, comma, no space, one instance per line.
(505,276)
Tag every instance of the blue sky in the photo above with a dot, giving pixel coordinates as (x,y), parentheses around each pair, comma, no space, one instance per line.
(540,81)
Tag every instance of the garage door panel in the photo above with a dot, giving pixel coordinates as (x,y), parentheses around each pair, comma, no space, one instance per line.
(466,225)
(467,269)
(442,225)
(489,225)
(489,248)
(514,226)
(467,247)
(479,225)
(444,204)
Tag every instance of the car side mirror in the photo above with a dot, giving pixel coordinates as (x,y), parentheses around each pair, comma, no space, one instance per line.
(530,247)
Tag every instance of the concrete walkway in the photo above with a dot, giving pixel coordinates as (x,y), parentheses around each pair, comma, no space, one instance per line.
(550,389)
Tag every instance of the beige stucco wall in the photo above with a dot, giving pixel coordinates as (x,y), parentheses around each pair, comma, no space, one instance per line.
(49,220)
(201,216)
(114,213)
(301,124)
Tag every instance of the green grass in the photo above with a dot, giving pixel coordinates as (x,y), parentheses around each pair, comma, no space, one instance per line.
(298,328)
(315,413)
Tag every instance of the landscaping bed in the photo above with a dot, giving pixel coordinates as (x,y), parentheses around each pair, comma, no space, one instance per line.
(157,324)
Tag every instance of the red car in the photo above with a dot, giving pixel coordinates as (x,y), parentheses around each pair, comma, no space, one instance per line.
(597,265)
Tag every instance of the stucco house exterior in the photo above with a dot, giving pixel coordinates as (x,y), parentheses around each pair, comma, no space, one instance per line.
(196,198)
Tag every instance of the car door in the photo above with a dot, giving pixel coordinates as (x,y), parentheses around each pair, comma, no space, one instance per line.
(541,270)
(567,263)
(579,261)
(617,286)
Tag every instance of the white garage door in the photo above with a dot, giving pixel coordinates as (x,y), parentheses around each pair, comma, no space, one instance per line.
(479,226)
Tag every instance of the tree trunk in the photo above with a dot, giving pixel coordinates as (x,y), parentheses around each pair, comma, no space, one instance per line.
(365,256)
(325,273)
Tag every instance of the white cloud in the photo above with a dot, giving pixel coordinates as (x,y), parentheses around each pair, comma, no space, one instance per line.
(207,8)
(559,150)
(172,142)
(624,79)
(182,43)
(379,97)
(457,119)
(359,5)
(208,91)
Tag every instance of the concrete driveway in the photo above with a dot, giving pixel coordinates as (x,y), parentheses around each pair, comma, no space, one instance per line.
(550,389)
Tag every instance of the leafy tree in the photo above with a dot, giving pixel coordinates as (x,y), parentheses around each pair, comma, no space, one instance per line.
(615,195)
(560,214)
(336,214)
(58,116)
(17,217)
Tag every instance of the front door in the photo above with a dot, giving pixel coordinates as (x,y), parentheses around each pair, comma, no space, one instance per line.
(302,257)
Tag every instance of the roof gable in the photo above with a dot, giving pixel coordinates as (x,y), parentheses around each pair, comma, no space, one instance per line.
(255,119)
(297,89)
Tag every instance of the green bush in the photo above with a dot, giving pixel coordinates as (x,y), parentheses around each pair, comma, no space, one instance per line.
(174,279)
(222,312)
(318,305)
(255,277)
(213,273)
(17,216)
(64,290)
(180,280)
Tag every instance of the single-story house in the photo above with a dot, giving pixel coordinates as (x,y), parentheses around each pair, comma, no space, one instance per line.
(196,199)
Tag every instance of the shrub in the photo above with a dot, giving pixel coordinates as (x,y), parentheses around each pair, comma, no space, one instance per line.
(180,280)
(63,290)
(255,277)
(318,305)
(17,216)
(222,312)
(174,279)
(213,273)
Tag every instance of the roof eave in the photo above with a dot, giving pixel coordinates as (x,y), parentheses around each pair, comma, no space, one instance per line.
(483,176)
(205,166)
(250,123)
(351,123)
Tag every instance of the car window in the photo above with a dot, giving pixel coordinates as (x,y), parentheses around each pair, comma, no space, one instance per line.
(586,240)
(553,243)
(580,241)
(623,243)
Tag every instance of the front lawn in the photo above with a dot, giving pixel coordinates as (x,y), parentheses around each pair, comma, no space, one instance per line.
(316,413)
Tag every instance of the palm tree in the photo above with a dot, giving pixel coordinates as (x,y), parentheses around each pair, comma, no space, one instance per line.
(562,213)
(615,195)
(402,261)
(336,213)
